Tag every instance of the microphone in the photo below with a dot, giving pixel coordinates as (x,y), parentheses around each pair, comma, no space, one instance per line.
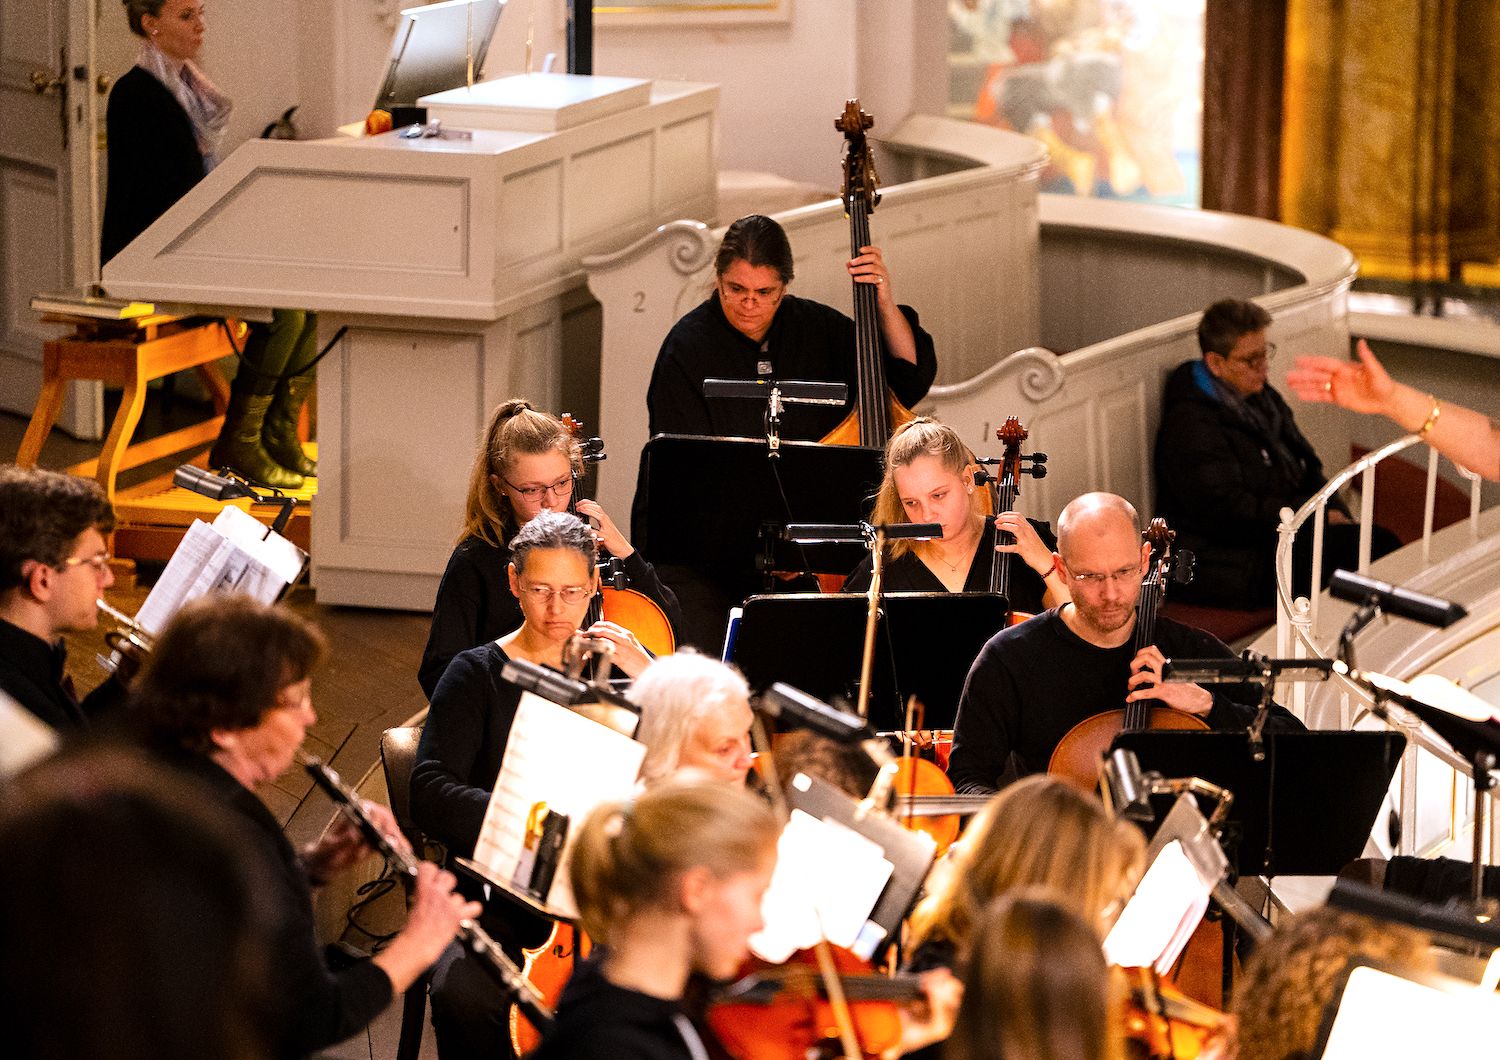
(1394,600)
(784,701)
(207,484)
(545,682)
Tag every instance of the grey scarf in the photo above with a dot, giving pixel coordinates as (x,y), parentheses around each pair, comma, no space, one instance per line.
(206,107)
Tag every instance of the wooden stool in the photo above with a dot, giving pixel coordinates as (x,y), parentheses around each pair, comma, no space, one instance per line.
(129,354)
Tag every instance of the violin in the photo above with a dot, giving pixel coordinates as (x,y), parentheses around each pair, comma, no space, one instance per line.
(616,602)
(925,799)
(784,1012)
(876,411)
(1162,1023)
(1003,492)
(548,968)
(1077,756)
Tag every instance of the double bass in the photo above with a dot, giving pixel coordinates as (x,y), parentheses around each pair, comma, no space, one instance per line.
(876,411)
(1077,756)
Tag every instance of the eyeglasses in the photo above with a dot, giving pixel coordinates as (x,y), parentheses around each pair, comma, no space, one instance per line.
(100,562)
(733,292)
(558,490)
(543,594)
(1090,580)
(1258,360)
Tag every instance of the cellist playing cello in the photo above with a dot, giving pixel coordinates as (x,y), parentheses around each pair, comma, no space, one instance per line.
(1033,682)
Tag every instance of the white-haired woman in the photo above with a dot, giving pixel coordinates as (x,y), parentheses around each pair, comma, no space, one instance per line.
(695,715)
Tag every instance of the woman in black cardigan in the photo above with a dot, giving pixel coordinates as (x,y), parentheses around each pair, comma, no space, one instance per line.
(165,125)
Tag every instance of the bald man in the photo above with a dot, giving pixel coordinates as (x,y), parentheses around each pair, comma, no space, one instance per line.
(1033,682)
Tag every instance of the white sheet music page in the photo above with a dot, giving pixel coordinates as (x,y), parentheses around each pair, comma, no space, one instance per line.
(196,552)
(1160,917)
(565,760)
(828,878)
(275,552)
(1381,1014)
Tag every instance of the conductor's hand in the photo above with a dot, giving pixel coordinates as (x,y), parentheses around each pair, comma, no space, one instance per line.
(342,845)
(608,533)
(869,267)
(629,656)
(1146,683)
(436,911)
(1028,545)
(1362,387)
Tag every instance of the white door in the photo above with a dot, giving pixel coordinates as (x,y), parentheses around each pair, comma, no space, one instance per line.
(50,107)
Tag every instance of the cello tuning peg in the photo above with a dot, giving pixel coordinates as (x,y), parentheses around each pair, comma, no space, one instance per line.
(983,477)
(1182,570)
(1037,458)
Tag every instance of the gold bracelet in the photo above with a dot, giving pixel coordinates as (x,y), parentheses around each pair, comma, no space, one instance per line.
(1432,418)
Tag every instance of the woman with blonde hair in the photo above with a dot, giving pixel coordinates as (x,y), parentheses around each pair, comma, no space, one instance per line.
(929,478)
(695,715)
(670,885)
(529,462)
(1039,831)
(1036,986)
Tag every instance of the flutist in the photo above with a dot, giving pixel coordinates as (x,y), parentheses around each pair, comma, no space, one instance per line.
(226,697)
(54,563)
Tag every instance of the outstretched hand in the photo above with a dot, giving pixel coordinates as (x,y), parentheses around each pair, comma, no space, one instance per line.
(1362,387)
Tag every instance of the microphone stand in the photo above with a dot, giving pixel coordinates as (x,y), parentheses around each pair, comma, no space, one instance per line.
(507,976)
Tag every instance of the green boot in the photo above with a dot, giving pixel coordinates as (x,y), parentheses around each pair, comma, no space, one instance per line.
(239,445)
(280,432)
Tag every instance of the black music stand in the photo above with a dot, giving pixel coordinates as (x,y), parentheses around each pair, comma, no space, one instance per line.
(735,500)
(815,642)
(925,644)
(1306,810)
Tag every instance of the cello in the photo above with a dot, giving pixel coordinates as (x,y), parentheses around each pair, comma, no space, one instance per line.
(1003,493)
(616,602)
(1077,756)
(876,410)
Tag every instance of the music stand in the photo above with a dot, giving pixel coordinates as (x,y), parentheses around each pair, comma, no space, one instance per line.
(935,638)
(1306,810)
(815,642)
(737,494)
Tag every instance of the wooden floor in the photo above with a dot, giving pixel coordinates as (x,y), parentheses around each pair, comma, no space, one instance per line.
(368,684)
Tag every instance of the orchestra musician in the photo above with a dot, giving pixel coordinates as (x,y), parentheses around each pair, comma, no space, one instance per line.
(54,564)
(929,478)
(1038,832)
(751,328)
(528,464)
(695,716)
(670,884)
(225,697)
(1036,986)
(552,573)
(1033,682)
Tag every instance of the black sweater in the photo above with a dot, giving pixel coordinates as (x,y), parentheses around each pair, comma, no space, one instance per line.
(908,574)
(33,673)
(319,1007)
(597,1020)
(475,605)
(1034,682)
(153,158)
(807,341)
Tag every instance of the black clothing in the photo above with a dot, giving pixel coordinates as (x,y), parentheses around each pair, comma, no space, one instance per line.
(807,341)
(1225,467)
(1034,682)
(597,1020)
(321,1007)
(908,574)
(475,605)
(33,673)
(458,761)
(153,158)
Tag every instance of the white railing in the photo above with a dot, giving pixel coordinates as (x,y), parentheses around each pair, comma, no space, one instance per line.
(1297,616)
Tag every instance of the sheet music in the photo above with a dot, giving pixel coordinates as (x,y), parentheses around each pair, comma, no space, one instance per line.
(25,739)
(828,878)
(225,556)
(1453,1020)
(1161,916)
(559,757)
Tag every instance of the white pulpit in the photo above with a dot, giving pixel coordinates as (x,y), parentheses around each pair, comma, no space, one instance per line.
(448,269)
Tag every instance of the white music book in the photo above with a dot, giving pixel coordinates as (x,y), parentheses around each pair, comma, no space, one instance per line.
(1161,916)
(235,553)
(560,758)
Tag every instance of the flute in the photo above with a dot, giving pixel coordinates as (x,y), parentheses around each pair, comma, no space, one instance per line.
(522,993)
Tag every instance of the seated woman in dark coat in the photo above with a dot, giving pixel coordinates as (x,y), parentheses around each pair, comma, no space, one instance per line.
(1229,458)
